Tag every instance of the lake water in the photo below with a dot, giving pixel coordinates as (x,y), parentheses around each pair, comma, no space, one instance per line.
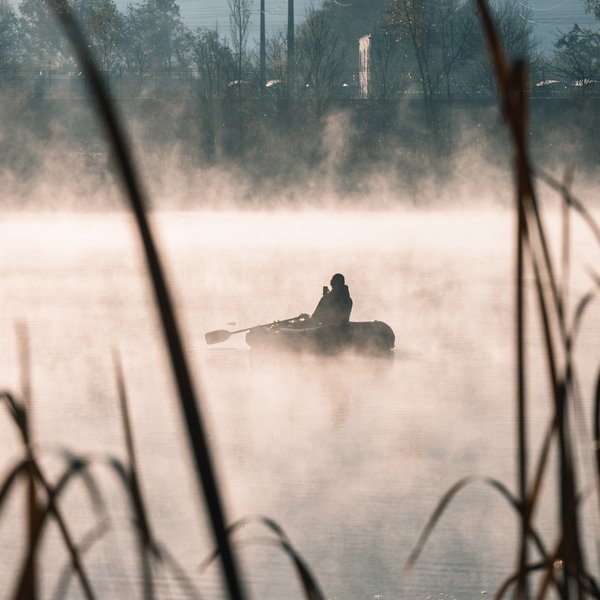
(350,455)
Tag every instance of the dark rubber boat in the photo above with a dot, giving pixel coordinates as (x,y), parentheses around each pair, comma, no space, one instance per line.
(367,337)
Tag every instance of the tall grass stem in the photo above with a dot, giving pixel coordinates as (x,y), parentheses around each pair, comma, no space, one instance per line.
(187,393)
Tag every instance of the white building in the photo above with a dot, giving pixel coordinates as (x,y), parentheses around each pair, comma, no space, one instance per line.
(364,65)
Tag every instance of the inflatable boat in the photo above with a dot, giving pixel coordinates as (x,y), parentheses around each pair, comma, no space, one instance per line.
(368,337)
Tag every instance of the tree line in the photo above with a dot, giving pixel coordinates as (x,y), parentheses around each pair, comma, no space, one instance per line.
(243,101)
(436,43)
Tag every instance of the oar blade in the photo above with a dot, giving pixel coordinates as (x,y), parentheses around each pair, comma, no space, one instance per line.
(215,337)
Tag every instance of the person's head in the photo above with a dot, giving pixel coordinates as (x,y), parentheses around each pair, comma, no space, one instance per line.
(337,281)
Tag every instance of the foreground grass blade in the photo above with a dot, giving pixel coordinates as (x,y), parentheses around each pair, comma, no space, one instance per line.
(310,586)
(565,245)
(30,585)
(18,413)
(185,583)
(309,583)
(147,545)
(51,508)
(86,544)
(515,118)
(576,204)
(147,549)
(154,549)
(449,496)
(597,428)
(512,86)
(549,579)
(135,492)
(11,478)
(513,580)
(18,410)
(578,316)
(187,395)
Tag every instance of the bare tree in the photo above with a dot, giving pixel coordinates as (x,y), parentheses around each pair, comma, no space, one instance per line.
(387,74)
(10,51)
(420,27)
(104,27)
(291,50)
(263,47)
(457,24)
(182,48)
(213,62)
(276,62)
(593,6)
(320,60)
(152,28)
(383,76)
(239,22)
(276,51)
(577,58)
(515,26)
(436,32)
(44,45)
(414,22)
(215,67)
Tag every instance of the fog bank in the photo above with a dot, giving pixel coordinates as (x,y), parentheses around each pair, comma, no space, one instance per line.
(54,156)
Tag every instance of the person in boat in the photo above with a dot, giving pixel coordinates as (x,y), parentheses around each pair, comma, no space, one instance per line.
(335,306)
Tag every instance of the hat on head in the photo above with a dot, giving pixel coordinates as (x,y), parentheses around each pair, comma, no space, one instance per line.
(337,280)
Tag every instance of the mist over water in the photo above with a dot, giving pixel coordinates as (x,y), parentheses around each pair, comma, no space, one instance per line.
(256,206)
(349,454)
(55,157)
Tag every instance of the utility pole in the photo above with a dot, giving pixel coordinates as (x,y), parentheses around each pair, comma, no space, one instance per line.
(291,56)
(263,48)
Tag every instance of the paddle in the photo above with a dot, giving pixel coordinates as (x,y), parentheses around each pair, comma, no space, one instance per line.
(220,335)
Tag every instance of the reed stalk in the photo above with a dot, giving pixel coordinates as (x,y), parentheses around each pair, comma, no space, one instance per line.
(532,254)
(29,467)
(560,569)
(188,399)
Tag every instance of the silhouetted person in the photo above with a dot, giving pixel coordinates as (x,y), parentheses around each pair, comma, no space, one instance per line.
(335,306)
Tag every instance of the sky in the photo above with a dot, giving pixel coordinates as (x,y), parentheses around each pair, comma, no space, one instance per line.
(549,16)
(207,13)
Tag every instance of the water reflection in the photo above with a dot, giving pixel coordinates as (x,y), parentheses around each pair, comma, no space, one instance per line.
(227,359)
(336,380)
(349,453)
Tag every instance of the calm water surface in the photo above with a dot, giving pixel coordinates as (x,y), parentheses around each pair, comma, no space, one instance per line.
(349,454)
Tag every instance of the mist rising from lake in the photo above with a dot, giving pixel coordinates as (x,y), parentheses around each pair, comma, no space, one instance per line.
(349,454)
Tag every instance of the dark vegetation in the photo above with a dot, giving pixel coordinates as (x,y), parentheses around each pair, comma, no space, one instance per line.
(562,568)
(198,99)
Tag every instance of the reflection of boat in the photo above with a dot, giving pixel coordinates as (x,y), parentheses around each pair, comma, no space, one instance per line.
(363,337)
